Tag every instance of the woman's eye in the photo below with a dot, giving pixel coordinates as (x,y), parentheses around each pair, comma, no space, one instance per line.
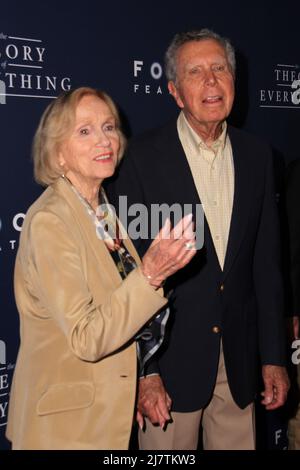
(110,127)
(84,131)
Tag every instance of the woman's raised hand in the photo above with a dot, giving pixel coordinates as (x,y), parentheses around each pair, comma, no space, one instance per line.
(170,251)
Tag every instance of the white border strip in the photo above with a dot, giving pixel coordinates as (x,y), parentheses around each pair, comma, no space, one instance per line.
(27,96)
(285,65)
(24,39)
(29,66)
(282,107)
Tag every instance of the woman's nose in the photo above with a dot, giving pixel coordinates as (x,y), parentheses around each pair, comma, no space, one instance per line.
(103,139)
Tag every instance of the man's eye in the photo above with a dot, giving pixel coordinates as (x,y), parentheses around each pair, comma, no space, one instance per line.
(195,71)
(218,68)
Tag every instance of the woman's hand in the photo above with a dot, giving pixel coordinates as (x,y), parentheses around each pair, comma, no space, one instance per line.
(170,251)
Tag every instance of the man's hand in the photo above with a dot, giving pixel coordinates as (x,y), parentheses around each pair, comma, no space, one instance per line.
(293,327)
(277,384)
(296,324)
(153,401)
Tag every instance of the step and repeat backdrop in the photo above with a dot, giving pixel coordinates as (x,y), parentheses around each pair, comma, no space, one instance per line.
(48,47)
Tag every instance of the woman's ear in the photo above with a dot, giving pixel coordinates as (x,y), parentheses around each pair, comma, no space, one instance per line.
(61,160)
(61,163)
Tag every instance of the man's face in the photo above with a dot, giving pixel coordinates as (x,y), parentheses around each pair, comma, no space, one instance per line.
(204,87)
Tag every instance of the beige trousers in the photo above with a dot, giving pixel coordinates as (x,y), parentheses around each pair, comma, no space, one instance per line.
(294,424)
(225,425)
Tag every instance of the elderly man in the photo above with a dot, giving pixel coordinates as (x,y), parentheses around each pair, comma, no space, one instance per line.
(228,302)
(293,219)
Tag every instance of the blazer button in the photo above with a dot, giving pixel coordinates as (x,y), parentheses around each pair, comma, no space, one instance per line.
(216,329)
(222,287)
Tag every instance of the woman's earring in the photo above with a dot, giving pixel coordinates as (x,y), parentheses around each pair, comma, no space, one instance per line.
(61,164)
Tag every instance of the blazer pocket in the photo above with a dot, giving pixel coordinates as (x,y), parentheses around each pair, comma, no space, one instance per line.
(66,397)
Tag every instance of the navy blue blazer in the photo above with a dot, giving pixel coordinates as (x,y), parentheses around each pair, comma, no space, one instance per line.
(293,226)
(245,300)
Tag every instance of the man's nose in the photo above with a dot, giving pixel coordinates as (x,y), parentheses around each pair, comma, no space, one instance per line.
(210,78)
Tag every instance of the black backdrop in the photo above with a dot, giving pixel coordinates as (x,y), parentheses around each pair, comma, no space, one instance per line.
(118,46)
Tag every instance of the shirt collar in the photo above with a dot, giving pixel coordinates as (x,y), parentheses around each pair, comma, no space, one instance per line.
(195,140)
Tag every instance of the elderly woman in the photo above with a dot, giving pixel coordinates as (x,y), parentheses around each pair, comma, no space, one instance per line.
(81,291)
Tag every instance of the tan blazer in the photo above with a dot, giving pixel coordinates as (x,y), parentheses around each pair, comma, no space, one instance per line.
(75,379)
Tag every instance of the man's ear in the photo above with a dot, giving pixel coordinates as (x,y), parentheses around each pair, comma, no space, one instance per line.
(175,93)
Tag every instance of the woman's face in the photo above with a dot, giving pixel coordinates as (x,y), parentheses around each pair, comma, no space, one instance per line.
(90,152)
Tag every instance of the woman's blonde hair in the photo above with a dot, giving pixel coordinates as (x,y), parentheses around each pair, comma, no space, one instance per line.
(54,127)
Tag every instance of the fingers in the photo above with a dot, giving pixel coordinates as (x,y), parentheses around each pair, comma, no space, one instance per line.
(140,419)
(153,401)
(184,225)
(276,386)
(267,394)
(279,398)
(184,256)
(181,256)
(164,233)
(162,418)
(170,251)
(280,391)
(158,413)
(183,229)
(184,235)
(169,401)
(162,408)
(153,416)
(268,399)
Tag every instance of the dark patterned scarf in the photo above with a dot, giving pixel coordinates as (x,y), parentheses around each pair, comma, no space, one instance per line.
(151,336)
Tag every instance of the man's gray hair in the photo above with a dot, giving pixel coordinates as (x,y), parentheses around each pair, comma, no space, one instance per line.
(188,36)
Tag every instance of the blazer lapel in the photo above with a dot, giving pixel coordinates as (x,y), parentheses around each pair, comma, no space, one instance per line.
(182,179)
(178,169)
(80,214)
(241,200)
